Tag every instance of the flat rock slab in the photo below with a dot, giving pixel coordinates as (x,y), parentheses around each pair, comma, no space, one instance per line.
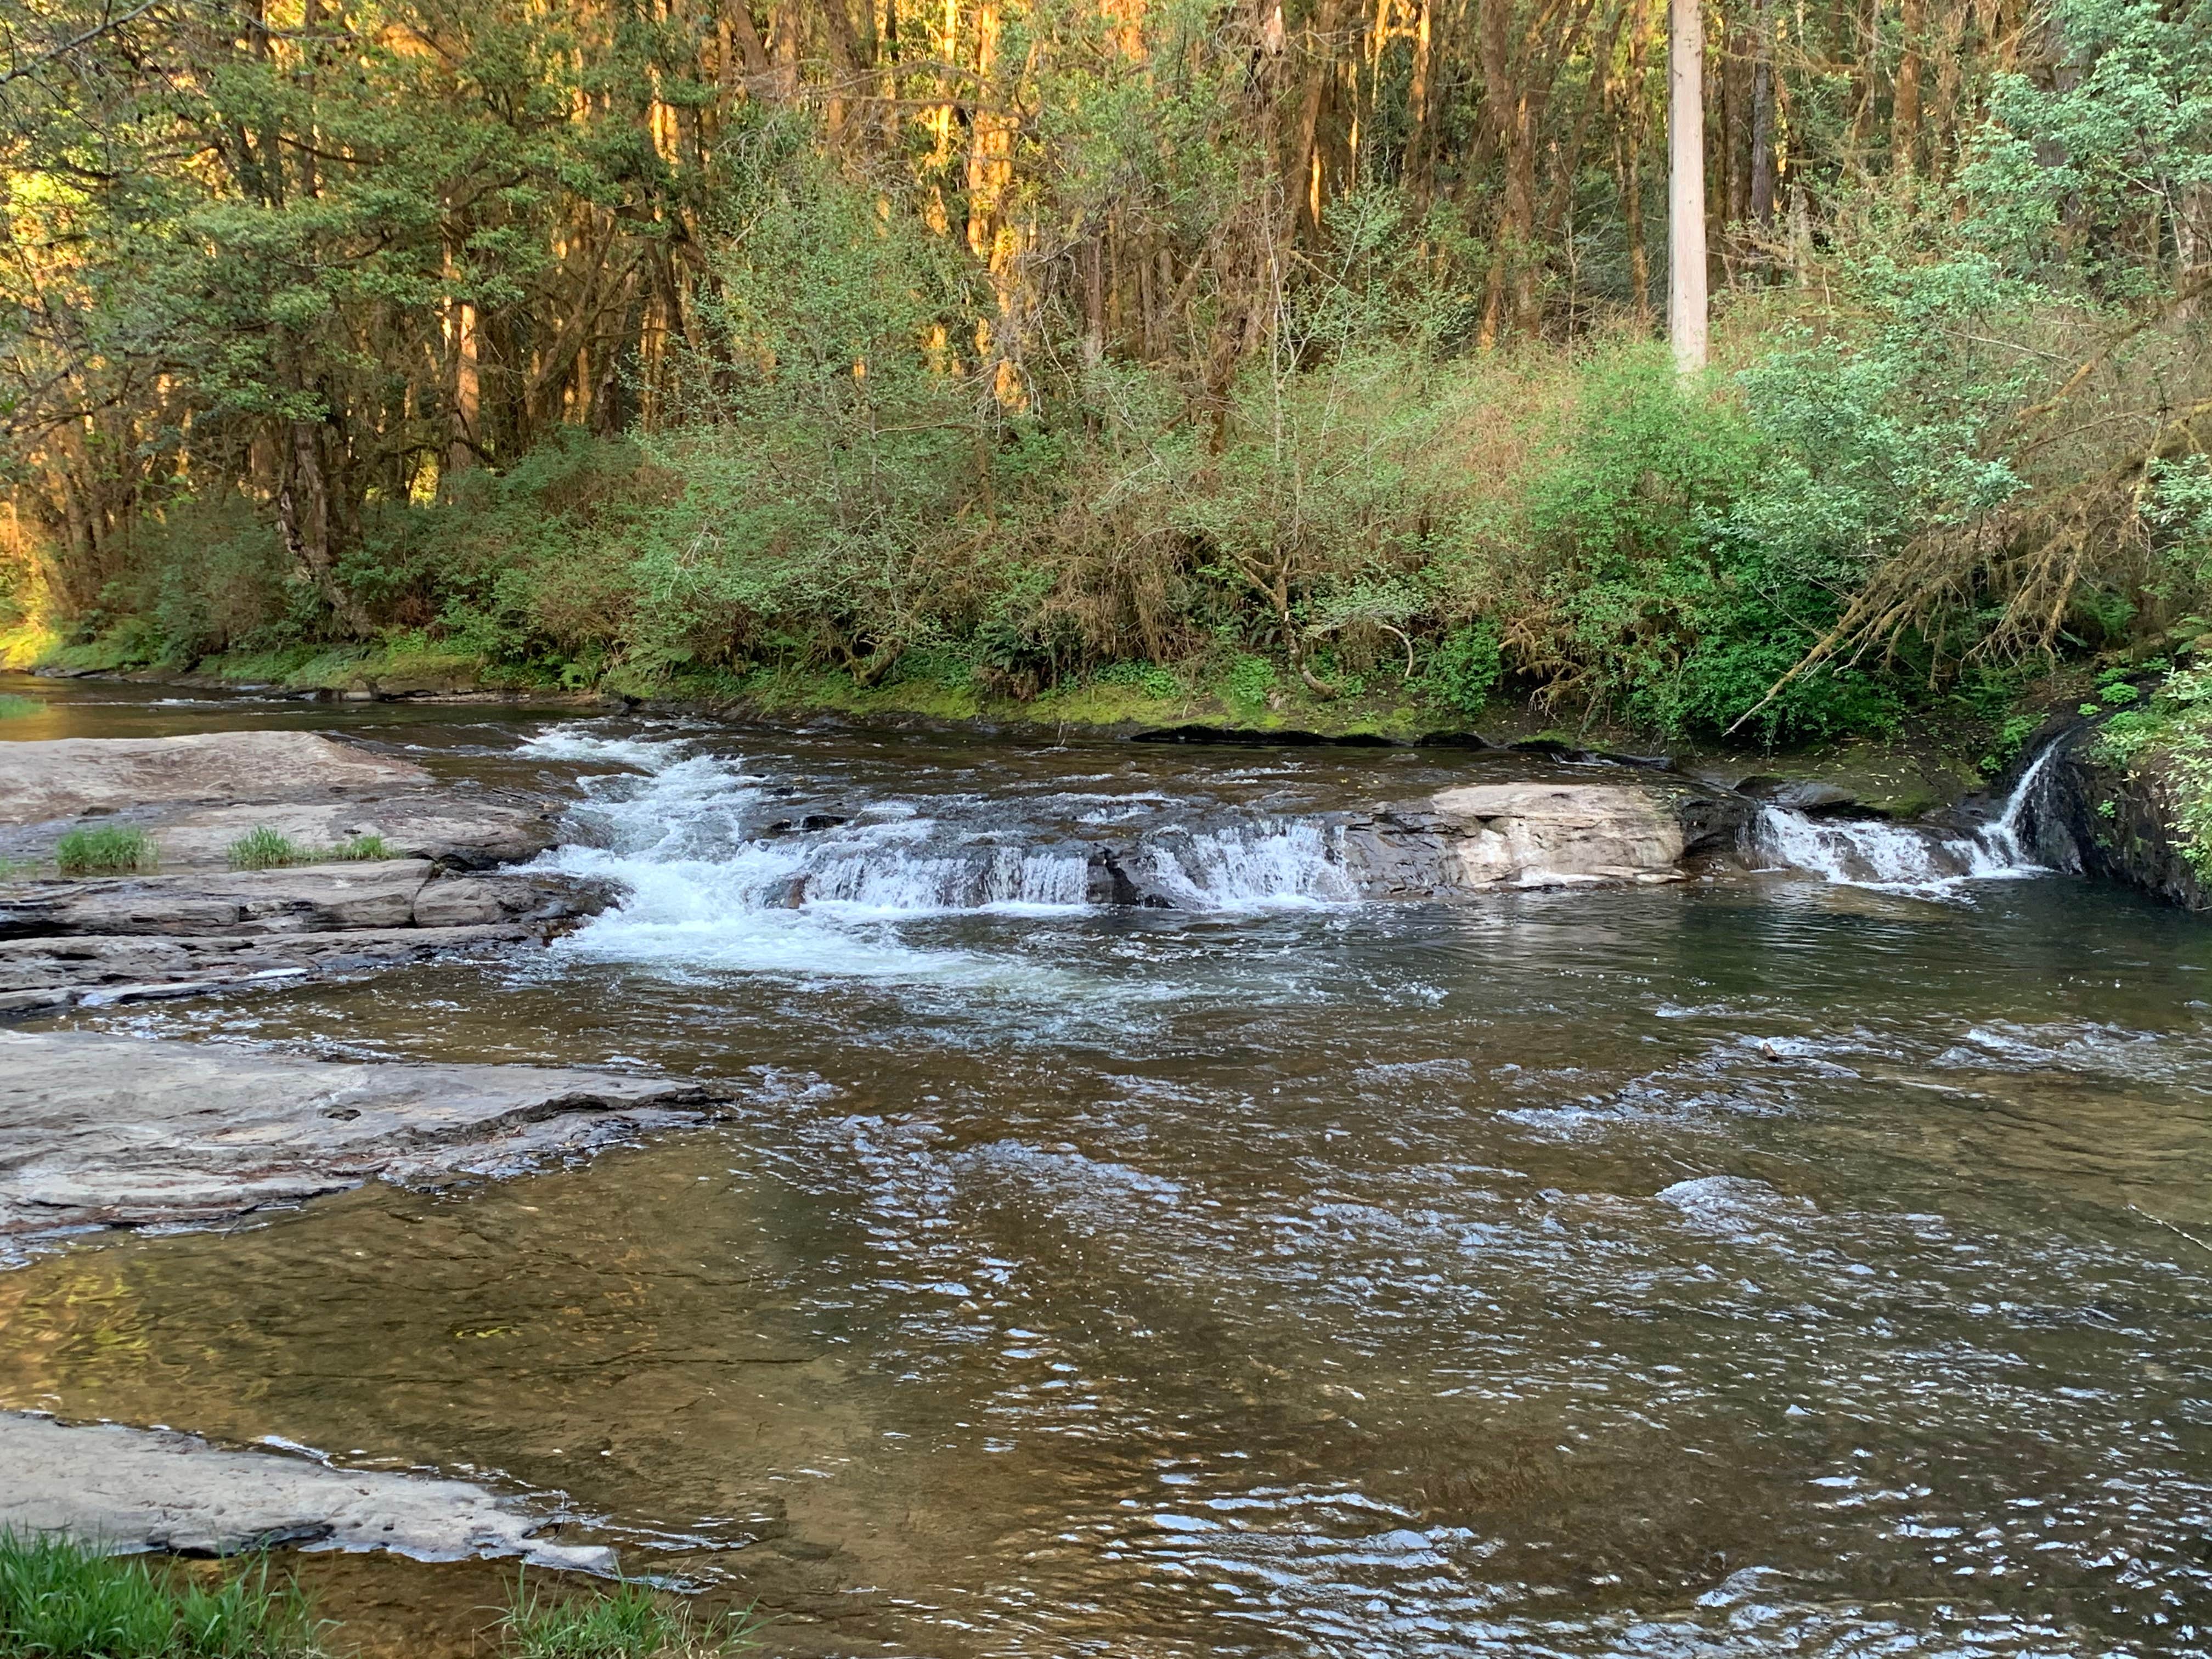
(129,1490)
(71,776)
(1480,837)
(315,898)
(95,969)
(110,1130)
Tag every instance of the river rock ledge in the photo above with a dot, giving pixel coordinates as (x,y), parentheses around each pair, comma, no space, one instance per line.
(98,1130)
(200,926)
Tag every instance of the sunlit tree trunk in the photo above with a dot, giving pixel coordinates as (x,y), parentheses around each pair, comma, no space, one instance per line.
(1686,186)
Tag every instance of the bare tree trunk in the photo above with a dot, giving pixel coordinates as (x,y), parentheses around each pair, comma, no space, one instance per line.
(1762,115)
(1904,108)
(1686,186)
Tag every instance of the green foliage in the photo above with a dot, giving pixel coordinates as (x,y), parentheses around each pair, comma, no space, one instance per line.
(1148,677)
(1247,681)
(2063,168)
(16,707)
(631,1621)
(104,849)
(1681,596)
(1465,666)
(59,1599)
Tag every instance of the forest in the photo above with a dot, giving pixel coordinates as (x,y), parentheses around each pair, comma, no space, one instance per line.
(1302,354)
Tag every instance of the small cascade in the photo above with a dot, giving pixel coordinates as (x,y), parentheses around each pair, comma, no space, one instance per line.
(1248,867)
(1876,853)
(721,866)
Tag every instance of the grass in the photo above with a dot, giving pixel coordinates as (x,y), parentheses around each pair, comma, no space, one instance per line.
(60,1600)
(15,708)
(263,848)
(104,849)
(628,1622)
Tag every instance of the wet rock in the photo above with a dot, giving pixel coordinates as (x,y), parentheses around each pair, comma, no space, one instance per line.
(1517,835)
(38,974)
(131,937)
(1806,795)
(510,896)
(98,1129)
(71,776)
(2097,818)
(126,1489)
(307,899)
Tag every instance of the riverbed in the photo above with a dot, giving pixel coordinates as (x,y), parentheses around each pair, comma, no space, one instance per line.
(1755,1264)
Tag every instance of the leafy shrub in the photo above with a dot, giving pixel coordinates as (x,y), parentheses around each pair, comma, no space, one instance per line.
(1248,682)
(104,849)
(59,1599)
(1463,670)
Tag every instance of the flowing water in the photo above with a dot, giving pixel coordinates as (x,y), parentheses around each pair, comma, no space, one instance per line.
(1764,1264)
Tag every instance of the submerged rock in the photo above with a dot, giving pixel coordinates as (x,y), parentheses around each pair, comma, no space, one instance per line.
(127,1490)
(123,1130)
(92,970)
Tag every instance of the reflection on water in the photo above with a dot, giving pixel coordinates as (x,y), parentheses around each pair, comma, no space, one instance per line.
(1752,1266)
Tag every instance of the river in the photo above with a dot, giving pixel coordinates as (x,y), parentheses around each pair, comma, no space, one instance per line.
(1756,1265)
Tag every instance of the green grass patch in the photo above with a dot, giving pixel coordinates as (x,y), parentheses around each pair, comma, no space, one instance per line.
(106,849)
(631,1622)
(16,707)
(60,1600)
(264,848)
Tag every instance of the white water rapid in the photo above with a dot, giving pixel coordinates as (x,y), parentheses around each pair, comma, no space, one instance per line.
(1876,853)
(721,874)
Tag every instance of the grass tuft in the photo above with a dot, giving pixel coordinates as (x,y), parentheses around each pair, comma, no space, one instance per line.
(628,1622)
(106,849)
(60,1600)
(361,849)
(13,707)
(263,848)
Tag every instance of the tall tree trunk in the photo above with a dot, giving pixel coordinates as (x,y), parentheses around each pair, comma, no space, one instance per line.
(1904,107)
(1762,114)
(1686,186)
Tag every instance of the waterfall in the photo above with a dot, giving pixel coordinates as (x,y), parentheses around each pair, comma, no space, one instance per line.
(723,870)
(1876,853)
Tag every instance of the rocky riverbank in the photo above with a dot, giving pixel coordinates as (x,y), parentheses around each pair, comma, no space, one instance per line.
(199,925)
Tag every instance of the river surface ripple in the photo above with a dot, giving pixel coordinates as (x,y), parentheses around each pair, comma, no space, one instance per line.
(1755,1266)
